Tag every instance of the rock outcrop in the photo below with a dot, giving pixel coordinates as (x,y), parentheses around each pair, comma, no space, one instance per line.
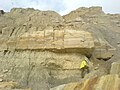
(41,49)
(107,82)
(98,23)
(63,40)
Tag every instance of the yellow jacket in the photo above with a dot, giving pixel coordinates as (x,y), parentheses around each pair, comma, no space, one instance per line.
(83,64)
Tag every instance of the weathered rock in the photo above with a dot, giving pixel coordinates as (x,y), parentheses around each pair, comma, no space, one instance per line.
(115,68)
(67,40)
(100,25)
(40,68)
(104,51)
(8,85)
(83,12)
(41,49)
(106,82)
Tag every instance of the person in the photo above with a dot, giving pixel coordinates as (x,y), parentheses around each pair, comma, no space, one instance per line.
(84,67)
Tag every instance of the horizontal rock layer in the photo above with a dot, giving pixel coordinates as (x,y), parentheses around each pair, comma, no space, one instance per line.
(71,40)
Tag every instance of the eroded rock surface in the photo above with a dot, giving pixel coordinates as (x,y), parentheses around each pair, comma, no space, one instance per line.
(63,40)
(106,82)
(41,49)
(115,68)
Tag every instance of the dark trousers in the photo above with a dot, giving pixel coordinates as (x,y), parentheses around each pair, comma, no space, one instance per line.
(84,70)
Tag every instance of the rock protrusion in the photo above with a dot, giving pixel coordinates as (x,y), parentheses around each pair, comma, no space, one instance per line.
(60,40)
(107,82)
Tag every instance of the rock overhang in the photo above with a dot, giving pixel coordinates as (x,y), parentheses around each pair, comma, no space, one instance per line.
(54,40)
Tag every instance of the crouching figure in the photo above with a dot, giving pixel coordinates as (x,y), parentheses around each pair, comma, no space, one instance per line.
(84,67)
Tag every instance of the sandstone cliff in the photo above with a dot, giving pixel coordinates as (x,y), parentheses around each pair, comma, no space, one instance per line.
(106,82)
(41,49)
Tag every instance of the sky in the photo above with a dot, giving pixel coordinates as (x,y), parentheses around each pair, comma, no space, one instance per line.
(61,6)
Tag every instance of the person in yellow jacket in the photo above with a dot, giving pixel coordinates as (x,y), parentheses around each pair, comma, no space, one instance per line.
(83,67)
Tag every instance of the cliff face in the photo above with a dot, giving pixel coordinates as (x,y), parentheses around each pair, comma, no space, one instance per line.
(41,49)
(106,82)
